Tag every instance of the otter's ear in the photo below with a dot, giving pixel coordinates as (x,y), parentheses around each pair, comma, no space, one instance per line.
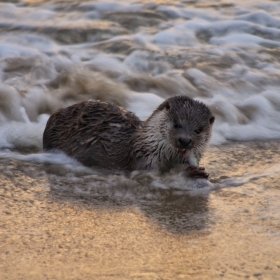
(164,105)
(211,120)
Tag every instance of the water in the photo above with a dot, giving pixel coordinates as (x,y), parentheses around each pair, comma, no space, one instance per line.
(60,219)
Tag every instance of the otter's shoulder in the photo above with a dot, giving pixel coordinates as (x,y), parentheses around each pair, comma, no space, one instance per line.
(108,113)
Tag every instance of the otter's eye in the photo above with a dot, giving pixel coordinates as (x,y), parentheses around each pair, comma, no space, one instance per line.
(177,125)
(198,131)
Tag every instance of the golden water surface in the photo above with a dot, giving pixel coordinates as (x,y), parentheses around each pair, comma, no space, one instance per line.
(230,233)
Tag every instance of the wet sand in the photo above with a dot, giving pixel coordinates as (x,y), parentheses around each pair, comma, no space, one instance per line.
(233,232)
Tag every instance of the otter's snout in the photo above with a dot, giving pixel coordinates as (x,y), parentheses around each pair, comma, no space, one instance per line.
(185,142)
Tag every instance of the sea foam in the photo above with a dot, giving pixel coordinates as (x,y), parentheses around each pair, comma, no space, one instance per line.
(229,60)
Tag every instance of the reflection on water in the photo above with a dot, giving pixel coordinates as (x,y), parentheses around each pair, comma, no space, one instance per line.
(61,227)
(176,211)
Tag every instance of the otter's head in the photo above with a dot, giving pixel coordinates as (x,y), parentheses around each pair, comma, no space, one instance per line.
(188,122)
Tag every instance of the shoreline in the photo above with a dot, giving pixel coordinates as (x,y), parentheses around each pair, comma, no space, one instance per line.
(232,231)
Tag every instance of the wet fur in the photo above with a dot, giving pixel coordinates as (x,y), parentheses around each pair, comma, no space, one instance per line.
(104,135)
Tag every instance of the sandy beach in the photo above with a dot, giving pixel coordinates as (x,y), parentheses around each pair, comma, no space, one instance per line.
(231,232)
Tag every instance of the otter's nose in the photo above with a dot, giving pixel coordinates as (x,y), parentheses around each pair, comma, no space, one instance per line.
(185,142)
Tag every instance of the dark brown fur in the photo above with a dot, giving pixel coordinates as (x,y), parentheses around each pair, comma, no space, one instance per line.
(104,135)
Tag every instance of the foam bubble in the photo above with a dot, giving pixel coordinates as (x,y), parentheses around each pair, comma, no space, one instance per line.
(10,103)
(252,118)
(37,42)
(106,63)
(242,39)
(262,18)
(177,36)
(12,50)
(143,104)
(21,135)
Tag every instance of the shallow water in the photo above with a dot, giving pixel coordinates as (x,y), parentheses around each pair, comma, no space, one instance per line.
(58,226)
(59,219)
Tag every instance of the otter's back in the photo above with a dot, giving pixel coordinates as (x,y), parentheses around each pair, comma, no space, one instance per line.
(95,133)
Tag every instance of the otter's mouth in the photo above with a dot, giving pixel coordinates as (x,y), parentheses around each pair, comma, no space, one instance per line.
(189,156)
(184,152)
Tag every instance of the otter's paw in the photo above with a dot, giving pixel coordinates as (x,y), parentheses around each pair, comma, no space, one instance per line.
(197,172)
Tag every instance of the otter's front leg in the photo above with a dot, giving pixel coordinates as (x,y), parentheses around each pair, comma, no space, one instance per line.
(194,170)
(197,172)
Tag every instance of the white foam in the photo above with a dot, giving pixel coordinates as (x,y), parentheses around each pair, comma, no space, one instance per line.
(106,63)
(182,55)
(35,42)
(143,104)
(51,158)
(181,182)
(187,13)
(140,61)
(177,36)
(262,18)
(254,118)
(10,103)
(69,165)
(242,39)
(21,135)
(12,50)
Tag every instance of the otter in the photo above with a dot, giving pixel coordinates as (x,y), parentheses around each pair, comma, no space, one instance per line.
(104,135)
